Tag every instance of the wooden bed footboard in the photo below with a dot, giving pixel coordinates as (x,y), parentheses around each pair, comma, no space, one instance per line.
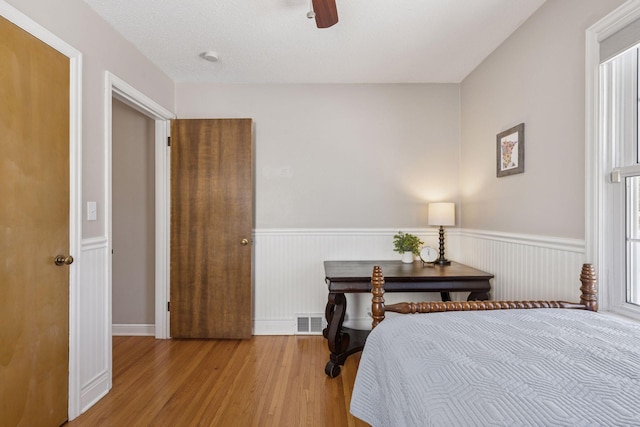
(588,299)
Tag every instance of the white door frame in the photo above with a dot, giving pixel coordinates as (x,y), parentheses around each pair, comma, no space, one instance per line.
(119,89)
(75,185)
(595,150)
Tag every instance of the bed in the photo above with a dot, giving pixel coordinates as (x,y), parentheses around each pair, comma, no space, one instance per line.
(531,363)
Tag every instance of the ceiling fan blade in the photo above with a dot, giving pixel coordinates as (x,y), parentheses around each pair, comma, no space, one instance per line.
(326,13)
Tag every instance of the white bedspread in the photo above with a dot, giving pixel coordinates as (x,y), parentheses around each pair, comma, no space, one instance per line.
(540,367)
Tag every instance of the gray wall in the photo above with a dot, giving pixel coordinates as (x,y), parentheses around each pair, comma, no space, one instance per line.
(133,216)
(537,76)
(354,156)
(328,154)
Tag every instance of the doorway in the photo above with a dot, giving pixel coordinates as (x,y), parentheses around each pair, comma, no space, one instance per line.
(133,207)
(119,90)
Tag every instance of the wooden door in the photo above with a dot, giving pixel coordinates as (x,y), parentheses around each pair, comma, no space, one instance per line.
(211,225)
(34,220)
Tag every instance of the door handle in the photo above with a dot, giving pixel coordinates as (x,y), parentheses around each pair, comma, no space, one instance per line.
(63,260)
(244,242)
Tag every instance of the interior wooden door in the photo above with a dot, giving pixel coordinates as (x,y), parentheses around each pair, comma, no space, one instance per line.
(211,225)
(34,218)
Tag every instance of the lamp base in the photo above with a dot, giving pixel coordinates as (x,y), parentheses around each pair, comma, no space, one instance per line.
(441,260)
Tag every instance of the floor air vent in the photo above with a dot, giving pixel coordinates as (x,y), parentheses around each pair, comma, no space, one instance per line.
(309,324)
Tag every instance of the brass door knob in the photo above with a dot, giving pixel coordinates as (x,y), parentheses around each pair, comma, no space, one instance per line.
(61,259)
(244,242)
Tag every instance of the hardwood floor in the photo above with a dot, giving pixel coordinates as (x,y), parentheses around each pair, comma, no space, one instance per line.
(263,381)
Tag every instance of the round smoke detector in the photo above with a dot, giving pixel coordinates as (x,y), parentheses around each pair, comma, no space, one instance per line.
(210,56)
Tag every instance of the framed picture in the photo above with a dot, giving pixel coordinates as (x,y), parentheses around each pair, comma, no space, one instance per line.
(510,151)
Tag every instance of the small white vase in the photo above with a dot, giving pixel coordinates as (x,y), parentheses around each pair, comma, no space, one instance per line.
(407,257)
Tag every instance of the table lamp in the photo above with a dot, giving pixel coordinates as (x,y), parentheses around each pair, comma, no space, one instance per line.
(441,214)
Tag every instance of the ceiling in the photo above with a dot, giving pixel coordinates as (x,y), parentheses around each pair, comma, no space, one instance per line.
(272,41)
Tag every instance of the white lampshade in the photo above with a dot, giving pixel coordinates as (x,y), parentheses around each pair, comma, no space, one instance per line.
(443,213)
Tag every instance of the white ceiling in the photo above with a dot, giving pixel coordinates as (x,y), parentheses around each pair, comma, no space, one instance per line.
(272,41)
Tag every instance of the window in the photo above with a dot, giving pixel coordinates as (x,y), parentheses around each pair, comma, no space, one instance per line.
(612,157)
(620,101)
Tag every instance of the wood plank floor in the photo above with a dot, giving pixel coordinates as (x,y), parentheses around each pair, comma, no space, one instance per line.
(264,381)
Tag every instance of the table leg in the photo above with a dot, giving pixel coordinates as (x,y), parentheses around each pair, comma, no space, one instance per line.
(445,296)
(334,313)
(339,339)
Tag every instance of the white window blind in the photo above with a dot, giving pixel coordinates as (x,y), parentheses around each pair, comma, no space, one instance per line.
(620,41)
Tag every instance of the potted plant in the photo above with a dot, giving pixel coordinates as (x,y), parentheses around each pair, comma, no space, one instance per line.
(407,245)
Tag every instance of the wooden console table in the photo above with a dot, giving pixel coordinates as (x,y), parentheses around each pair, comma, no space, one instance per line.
(355,276)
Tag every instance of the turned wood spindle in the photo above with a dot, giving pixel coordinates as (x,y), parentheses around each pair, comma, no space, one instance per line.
(377,301)
(589,297)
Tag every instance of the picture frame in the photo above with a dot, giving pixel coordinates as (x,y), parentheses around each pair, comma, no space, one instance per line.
(510,151)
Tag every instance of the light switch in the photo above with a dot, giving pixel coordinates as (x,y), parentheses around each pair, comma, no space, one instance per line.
(92,211)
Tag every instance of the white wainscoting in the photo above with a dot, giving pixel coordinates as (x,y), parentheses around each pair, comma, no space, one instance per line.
(525,266)
(289,272)
(95,322)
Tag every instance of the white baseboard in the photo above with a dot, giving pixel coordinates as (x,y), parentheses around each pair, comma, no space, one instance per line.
(94,390)
(134,330)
